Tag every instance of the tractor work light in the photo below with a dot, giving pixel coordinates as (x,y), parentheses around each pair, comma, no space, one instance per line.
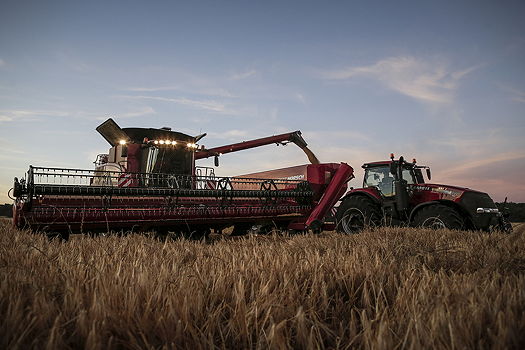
(487,210)
(161,142)
(122,142)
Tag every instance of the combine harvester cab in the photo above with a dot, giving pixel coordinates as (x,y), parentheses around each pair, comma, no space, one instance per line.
(149,181)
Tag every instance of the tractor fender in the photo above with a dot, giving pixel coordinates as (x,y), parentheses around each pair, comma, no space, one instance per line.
(454,205)
(362,192)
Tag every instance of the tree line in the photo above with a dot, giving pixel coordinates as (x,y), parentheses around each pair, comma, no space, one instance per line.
(516,211)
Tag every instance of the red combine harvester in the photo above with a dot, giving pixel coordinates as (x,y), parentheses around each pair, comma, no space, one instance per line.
(394,192)
(149,180)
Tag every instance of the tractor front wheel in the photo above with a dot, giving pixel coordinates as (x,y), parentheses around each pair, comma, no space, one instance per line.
(438,216)
(357,212)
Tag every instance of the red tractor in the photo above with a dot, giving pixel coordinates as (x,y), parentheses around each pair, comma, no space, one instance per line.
(394,192)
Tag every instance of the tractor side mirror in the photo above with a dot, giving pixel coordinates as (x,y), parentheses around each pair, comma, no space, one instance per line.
(216,161)
(428,173)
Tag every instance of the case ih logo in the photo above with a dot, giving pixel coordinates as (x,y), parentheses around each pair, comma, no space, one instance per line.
(295,177)
(446,191)
(442,190)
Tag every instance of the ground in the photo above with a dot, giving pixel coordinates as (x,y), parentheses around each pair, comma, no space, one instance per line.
(384,288)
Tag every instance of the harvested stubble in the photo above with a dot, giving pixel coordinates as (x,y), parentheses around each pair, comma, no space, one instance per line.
(383,289)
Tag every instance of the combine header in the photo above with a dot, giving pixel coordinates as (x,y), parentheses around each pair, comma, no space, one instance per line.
(149,181)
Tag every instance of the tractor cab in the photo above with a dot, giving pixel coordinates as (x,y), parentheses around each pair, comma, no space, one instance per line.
(384,174)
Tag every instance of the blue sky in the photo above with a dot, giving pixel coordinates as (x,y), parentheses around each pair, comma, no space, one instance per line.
(443,82)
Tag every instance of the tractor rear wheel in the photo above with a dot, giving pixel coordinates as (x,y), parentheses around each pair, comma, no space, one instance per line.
(439,216)
(357,212)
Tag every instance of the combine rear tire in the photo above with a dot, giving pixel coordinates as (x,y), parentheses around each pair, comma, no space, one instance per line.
(357,212)
(438,216)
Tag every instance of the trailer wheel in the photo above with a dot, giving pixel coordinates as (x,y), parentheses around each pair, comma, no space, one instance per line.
(355,213)
(438,216)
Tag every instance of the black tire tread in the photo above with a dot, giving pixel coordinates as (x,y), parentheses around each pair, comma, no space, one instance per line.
(449,216)
(367,206)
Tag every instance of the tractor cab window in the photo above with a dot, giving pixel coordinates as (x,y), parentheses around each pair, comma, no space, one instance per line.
(408,176)
(381,178)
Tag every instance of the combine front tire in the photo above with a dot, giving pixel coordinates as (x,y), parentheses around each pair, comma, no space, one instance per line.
(357,212)
(438,216)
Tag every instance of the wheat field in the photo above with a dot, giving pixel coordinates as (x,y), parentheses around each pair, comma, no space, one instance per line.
(382,289)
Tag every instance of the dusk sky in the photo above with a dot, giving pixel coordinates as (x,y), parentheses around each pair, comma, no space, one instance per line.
(443,82)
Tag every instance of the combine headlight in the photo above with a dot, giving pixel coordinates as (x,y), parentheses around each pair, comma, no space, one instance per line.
(165,142)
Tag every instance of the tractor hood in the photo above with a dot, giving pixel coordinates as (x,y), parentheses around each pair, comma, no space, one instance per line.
(449,190)
(443,192)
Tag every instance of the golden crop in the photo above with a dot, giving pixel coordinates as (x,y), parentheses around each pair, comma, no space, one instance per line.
(383,289)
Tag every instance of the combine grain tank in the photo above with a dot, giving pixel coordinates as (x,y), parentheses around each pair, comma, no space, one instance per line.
(149,181)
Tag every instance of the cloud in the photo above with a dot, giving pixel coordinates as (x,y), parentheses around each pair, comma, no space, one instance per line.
(208,105)
(460,74)
(421,80)
(74,63)
(499,175)
(497,158)
(516,95)
(144,111)
(8,149)
(205,91)
(233,134)
(300,97)
(244,75)
(475,143)
(18,114)
(2,62)
(337,136)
